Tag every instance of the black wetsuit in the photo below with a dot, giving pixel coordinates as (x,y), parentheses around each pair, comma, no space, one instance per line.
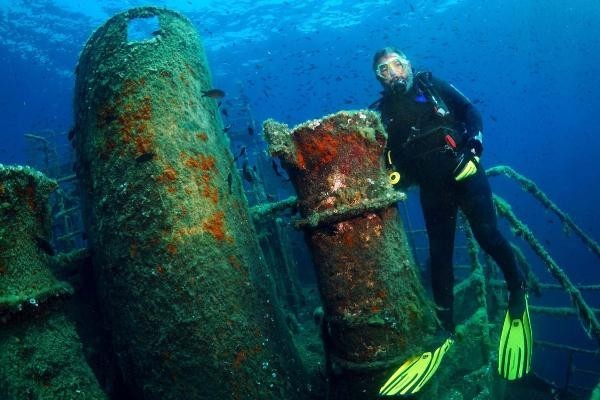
(426,148)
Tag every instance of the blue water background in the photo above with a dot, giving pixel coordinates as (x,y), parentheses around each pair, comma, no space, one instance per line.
(532,68)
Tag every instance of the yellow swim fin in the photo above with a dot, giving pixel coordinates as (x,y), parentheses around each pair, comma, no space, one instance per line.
(516,345)
(415,372)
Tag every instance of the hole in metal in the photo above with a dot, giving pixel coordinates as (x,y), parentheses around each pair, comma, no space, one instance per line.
(143,29)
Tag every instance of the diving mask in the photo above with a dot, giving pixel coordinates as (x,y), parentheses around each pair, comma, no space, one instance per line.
(392,69)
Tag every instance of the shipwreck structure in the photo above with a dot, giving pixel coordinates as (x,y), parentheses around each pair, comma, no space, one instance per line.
(181,277)
(376,312)
(198,293)
(40,349)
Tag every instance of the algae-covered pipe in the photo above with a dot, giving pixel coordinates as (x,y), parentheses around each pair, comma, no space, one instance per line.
(40,352)
(181,277)
(375,309)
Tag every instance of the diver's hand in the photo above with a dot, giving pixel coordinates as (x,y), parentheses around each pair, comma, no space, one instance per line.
(475,144)
(467,165)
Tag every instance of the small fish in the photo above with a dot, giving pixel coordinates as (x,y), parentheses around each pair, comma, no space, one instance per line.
(270,197)
(276,168)
(156,32)
(145,157)
(213,93)
(250,131)
(224,112)
(242,153)
(226,128)
(44,245)
(71,134)
(229,181)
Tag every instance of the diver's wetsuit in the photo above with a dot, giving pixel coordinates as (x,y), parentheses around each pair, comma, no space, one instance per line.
(421,150)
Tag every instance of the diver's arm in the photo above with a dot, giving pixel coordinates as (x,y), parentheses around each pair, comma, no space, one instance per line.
(465,111)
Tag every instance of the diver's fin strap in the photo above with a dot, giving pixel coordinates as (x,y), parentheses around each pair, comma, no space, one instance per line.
(516,346)
(415,372)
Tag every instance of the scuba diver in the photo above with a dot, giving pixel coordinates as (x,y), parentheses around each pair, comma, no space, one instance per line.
(435,141)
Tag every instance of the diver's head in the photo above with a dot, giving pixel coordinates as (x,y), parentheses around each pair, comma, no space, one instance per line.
(393,70)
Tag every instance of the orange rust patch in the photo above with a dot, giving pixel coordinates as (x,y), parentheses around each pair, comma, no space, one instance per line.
(169,175)
(192,163)
(300,160)
(171,249)
(134,128)
(375,309)
(326,144)
(239,358)
(215,226)
(348,239)
(171,189)
(160,269)
(202,136)
(321,148)
(143,145)
(3,269)
(211,193)
(205,163)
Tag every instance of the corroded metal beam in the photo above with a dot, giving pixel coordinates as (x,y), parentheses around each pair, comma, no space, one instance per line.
(182,278)
(375,309)
(40,352)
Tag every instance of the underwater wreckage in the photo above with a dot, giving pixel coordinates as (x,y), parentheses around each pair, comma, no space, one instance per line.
(192,306)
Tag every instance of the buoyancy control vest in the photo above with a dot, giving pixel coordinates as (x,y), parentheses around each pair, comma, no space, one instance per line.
(424,137)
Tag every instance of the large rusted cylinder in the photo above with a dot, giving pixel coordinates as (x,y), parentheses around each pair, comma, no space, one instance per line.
(180,272)
(375,308)
(40,351)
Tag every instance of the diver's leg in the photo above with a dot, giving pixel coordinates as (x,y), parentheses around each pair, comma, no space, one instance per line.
(439,210)
(516,343)
(475,200)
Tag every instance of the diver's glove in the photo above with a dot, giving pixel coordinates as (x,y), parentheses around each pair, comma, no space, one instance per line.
(475,144)
(468,162)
